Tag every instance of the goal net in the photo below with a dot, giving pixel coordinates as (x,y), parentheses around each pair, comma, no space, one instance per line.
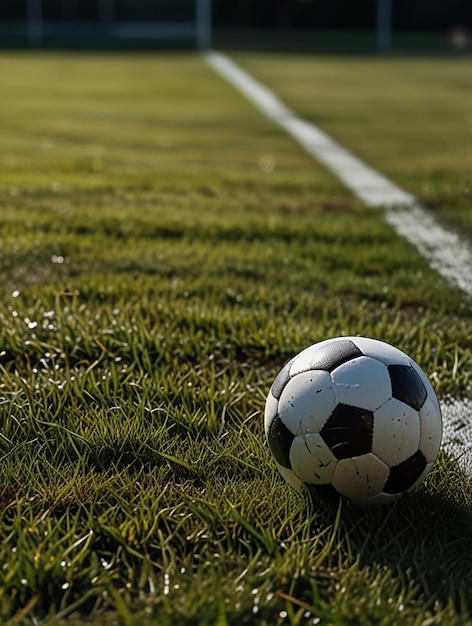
(43,21)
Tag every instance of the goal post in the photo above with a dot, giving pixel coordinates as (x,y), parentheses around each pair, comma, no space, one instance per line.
(34,22)
(189,20)
(384,26)
(203,26)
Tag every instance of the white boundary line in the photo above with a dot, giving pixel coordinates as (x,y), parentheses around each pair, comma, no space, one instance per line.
(444,250)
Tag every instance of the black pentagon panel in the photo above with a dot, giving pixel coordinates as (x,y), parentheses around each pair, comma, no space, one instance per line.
(407,386)
(280,439)
(330,356)
(348,431)
(405,474)
(281,380)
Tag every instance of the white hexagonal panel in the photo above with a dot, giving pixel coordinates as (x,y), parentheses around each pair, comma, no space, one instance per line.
(302,361)
(306,402)
(311,459)
(270,411)
(396,432)
(305,359)
(363,382)
(361,477)
(430,428)
(382,351)
(289,476)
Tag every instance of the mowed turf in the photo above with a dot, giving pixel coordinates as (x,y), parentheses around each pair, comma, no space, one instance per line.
(408,117)
(164,250)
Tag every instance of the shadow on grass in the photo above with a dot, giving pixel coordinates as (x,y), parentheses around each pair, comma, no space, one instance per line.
(424,539)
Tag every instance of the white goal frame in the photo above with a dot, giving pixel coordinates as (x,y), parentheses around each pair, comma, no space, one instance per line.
(200,29)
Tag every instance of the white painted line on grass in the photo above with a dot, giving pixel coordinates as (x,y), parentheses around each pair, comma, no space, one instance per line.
(445,251)
(457,430)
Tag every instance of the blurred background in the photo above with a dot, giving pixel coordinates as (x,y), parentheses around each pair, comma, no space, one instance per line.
(363,26)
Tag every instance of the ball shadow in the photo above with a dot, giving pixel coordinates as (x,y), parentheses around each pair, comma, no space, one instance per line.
(424,537)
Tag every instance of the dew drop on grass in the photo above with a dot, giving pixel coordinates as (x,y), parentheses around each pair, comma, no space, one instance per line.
(166,584)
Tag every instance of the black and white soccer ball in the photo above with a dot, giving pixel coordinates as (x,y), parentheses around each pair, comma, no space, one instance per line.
(357,415)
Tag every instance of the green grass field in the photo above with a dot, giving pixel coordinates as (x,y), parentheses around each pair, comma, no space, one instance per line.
(409,117)
(164,250)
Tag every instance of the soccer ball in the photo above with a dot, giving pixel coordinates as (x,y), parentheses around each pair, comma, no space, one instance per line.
(357,415)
